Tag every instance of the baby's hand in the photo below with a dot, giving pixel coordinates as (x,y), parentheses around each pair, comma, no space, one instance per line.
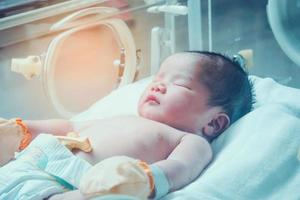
(11,135)
(117,175)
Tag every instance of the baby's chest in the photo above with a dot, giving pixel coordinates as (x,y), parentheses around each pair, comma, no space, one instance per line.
(146,144)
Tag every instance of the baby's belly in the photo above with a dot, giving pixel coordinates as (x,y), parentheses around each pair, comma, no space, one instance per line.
(130,137)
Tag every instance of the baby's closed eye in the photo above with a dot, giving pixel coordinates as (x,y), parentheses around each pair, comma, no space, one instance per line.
(182,84)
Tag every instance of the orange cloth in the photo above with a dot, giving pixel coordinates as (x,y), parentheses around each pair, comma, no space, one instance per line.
(27,136)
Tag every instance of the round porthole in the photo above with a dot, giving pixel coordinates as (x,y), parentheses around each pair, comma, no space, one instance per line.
(284,16)
(85,61)
(80,65)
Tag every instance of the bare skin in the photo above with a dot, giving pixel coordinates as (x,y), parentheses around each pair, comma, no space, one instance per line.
(144,139)
(173,115)
(127,135)
(156,143)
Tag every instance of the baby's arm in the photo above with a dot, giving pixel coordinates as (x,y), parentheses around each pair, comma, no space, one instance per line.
(186,161)
(16,134)
(53,126)
(58,127)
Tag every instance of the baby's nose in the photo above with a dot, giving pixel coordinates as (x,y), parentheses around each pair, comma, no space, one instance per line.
(160,87)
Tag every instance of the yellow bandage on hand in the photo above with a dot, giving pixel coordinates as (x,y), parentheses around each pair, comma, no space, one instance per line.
(14,136)
(73,141)
(118,175)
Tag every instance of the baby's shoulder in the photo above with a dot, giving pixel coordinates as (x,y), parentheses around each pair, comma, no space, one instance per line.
(145,125)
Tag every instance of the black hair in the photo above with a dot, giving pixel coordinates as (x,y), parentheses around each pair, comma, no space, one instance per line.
(228,84)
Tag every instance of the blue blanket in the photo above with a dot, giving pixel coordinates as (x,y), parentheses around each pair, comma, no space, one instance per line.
(256,158)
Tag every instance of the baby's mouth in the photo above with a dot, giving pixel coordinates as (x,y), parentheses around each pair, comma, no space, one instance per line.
(152,99)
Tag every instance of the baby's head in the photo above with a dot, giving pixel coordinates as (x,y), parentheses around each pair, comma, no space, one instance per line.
(198,92)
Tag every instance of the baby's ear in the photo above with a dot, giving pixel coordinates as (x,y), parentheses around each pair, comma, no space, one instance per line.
(216,126)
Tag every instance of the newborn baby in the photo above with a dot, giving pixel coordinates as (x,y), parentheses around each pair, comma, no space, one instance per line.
(193,98)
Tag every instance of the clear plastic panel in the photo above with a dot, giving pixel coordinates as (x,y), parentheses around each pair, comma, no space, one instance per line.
(83,67)
(223,26)
(233,25)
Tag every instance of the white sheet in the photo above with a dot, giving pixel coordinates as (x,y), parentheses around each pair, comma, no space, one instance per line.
(256,158)
(122,101)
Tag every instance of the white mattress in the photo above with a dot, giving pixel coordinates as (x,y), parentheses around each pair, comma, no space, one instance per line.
(256,158)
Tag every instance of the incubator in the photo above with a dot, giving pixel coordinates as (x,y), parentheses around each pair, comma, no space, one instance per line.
(58,58)
(87,60)
(93,50)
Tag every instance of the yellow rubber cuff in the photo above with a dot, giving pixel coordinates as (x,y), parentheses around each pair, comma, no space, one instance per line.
(147,169)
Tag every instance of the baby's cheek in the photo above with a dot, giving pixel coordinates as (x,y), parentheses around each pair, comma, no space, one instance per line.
(174,110)
(180,102)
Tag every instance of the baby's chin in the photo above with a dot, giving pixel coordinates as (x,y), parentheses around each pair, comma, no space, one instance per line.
(149,115)
(144,114)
